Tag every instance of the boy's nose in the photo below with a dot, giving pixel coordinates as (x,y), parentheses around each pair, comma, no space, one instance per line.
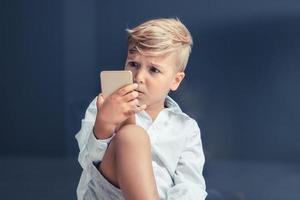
(139,77)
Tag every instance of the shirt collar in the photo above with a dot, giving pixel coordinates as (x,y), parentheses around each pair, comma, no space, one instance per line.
(172,105)
(145,120)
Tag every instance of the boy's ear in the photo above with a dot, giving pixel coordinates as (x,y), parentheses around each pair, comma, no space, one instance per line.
(177,80)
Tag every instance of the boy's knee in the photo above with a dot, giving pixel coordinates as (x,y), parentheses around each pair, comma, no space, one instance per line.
(132,134)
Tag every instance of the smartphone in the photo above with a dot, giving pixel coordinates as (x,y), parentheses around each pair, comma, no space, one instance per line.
(113,80)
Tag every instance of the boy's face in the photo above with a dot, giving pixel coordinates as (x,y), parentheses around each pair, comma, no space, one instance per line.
(155,75)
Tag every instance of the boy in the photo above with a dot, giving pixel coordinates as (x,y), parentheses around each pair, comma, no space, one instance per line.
(137,144)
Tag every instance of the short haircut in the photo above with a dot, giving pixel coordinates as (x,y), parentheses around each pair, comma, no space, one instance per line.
(161,36)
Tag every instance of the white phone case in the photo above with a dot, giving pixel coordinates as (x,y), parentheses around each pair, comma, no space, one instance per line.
(113,80)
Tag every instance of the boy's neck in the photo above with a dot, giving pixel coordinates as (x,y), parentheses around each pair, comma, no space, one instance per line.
(154,109)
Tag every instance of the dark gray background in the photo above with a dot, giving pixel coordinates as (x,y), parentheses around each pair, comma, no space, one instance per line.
(242,86)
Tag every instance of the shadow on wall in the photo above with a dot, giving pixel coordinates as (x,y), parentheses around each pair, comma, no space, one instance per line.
(245,84)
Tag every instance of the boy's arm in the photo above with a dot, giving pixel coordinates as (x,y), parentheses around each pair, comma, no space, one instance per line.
(188,178)
(91,148)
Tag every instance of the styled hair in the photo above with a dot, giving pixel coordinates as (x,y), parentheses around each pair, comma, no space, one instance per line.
(161,36)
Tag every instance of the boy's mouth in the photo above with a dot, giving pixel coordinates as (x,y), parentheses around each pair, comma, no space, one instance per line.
(139,91)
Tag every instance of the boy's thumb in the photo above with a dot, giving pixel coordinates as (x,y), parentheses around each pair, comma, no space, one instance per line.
(100,100)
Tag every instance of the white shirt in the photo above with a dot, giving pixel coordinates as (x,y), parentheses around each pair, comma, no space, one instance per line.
(177,153)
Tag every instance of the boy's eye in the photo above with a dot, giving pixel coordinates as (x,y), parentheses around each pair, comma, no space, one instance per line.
(132,64)
(155,70)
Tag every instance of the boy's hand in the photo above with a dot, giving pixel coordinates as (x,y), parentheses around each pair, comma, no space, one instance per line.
(118,108)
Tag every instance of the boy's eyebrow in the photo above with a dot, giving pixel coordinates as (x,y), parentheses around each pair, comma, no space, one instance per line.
(156,65)
(132,58)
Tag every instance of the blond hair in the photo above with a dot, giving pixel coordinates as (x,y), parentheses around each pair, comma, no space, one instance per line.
(161,36)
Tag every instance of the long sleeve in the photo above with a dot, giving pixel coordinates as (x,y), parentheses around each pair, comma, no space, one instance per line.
(91,148)
(188,179)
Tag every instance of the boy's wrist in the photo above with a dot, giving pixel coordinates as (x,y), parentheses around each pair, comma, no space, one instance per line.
(101,136)
(103,130)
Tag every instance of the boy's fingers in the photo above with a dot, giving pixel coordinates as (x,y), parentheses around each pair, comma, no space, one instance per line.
(100,99)
(140,108)
(131,120)
(102,95)
(135,107)
(128,88)
(134,103)
(131,96)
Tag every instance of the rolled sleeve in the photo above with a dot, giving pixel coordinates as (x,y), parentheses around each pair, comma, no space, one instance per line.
(189,183)
(96,147)
(91,149)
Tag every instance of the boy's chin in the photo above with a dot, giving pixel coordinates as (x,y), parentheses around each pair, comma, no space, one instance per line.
(142,101)
(141,98)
